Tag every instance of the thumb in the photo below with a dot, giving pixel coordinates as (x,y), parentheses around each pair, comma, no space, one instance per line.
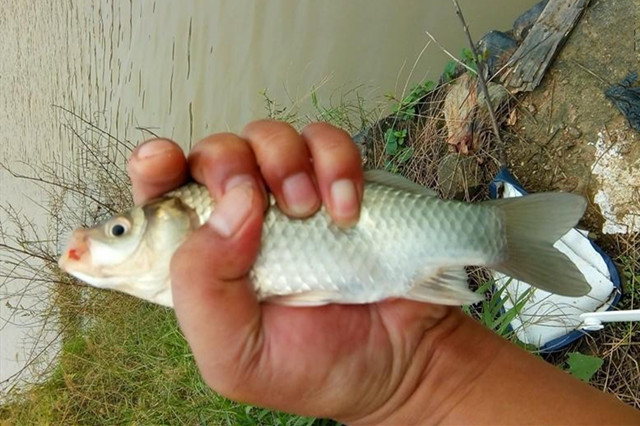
(214,300)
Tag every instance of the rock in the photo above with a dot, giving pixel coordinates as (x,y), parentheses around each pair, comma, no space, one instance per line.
(457,174)
(363,140)
(500,46)
(459,111)
(466,114)
(497,94)
(523,24)
(573,132)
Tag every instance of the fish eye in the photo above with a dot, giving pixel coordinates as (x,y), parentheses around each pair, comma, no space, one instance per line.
(117,229)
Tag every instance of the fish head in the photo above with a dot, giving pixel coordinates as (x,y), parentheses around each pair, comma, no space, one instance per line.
(131,252)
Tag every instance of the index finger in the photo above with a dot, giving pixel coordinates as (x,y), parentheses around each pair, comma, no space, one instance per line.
(155,167)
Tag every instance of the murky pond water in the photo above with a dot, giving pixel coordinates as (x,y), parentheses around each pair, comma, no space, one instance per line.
(184,71)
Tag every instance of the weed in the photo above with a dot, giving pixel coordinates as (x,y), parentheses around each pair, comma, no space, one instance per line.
(491,310)
(395,148)
(406,108)
(582,366)
(468,59)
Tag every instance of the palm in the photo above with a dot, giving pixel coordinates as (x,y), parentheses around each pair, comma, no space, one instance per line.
(358,354)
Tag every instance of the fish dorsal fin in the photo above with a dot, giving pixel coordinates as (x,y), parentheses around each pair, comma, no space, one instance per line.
(442,286)
(383,177)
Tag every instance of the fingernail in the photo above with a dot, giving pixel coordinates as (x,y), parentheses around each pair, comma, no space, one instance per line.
(234,206)
(300,194)
(153,148)
(344,199)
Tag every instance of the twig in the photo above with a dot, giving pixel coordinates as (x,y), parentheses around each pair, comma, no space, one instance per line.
(56,184)
(587,70)
(126,143)
(449,54)
(553,90)
(502,158)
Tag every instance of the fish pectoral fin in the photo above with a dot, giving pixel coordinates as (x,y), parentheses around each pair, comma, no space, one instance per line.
(383,177)
(444,286)
(307,298)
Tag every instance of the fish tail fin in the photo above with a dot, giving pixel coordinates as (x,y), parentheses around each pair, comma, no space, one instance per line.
(533,224)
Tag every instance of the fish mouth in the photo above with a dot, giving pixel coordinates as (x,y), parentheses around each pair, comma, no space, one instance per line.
(77,255)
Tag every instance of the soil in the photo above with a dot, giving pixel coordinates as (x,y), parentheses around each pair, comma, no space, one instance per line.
(567,129)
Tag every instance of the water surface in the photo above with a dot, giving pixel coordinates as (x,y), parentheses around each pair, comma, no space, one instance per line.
(184,70)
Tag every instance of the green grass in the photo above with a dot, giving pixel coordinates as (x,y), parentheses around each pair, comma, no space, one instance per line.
(491,311)
(127,363)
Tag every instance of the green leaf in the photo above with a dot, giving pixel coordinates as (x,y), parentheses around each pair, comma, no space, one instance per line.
(391,167)
(429,86)
(583,366)
(469,60)
(467,54)
(393,140)
(390,142)
(400,136)
(406,107)
(449,71)
(405,155)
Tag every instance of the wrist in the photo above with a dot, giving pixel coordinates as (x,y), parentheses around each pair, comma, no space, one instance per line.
(449,359)
(470,374)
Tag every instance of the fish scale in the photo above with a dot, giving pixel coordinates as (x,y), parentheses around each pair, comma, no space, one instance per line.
(407,243)
(397,235)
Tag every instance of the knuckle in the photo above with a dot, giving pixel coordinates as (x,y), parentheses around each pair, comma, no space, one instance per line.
(341,150)
(329,138)
(223,384)
(220,154)
(269,132)
(233,380)
(218,142)
(320,126)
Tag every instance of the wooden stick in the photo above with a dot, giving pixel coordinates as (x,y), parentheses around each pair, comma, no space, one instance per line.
(531,60)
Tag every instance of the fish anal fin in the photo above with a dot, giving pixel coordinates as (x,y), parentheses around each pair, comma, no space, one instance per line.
(383,177)
(306,298)
(444,286)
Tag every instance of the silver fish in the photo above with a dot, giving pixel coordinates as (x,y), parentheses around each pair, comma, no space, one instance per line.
(408,244)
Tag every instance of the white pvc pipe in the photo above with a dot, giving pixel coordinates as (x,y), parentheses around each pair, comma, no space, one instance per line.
(593,320)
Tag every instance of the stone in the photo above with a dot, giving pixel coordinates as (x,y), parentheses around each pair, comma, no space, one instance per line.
(500,46)
(457,174)
(524,22)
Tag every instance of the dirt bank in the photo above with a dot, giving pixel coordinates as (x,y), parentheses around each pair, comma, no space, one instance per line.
(569,136)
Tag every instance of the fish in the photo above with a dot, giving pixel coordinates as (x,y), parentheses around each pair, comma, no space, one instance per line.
(408,243)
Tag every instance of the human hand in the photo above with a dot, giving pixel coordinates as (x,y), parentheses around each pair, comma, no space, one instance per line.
(352,363)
